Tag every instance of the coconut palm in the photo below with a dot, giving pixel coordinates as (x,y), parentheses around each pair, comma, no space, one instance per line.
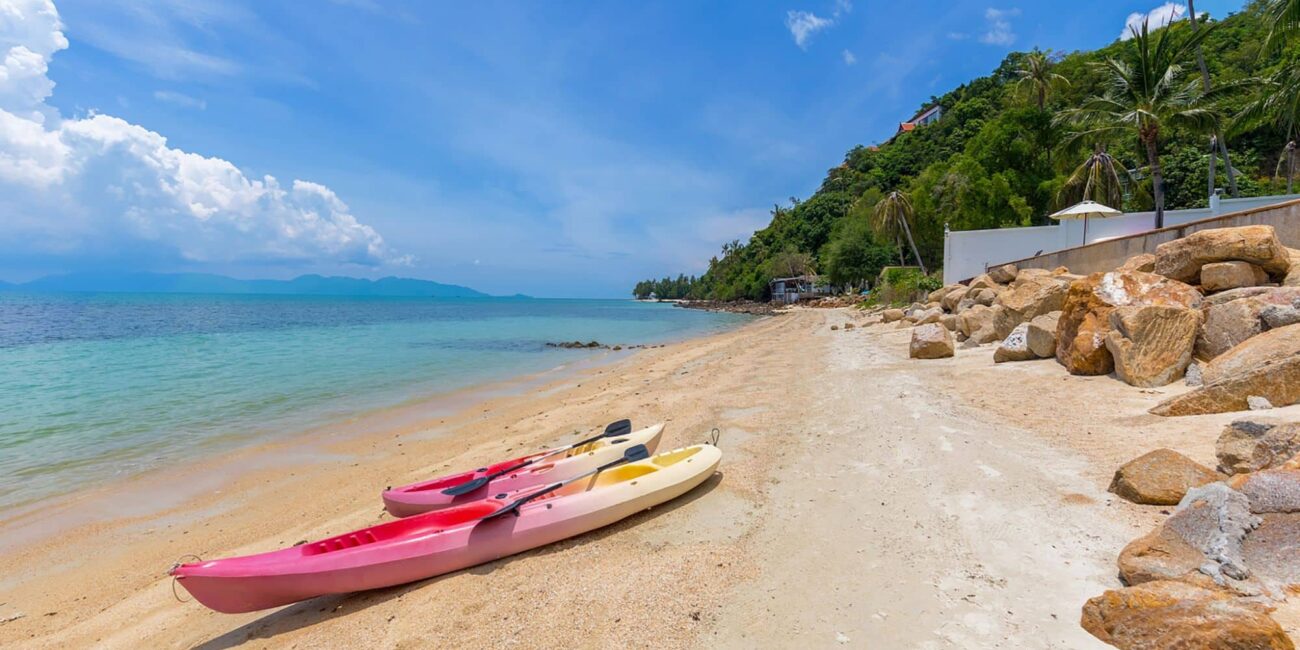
(1035,75)
(1285,18)
(1100,178)
(894,215)
(1147,97)
(1217,139)
(1277,104)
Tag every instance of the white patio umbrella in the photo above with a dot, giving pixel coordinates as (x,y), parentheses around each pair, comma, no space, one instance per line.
(1083,210)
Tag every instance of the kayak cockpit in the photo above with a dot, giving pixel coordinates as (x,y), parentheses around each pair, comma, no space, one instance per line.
(431,522)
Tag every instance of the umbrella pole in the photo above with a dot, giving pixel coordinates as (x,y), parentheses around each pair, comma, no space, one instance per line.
(1085,230)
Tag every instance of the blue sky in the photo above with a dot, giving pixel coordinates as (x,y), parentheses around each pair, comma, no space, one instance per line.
(554,149)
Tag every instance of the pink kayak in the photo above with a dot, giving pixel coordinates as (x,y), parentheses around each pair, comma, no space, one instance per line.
(429,495)
(447,540)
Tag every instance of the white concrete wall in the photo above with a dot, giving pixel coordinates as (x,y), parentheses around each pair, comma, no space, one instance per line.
(968,253)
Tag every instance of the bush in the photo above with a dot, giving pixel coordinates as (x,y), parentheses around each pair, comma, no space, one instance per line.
(904,285)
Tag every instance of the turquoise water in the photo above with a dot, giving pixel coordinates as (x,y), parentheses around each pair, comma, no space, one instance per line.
(100,385)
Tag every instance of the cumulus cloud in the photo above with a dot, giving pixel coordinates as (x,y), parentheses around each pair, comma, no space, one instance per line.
(95,184)
(1159,17)
(803,24)
(849,58)
(999,30)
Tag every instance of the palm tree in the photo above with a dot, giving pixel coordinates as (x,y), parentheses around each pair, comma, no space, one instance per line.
(1148,97)
(1217,139)
(1285,18)
(1035,74)
(1278,104)
(892,215)
(1100,178)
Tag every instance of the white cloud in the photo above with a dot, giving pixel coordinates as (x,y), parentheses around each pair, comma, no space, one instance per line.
(958,36)
(848,57)
(98,185)
(179,99)
(803,24)
(999,30)
(842,7)
(1159,17)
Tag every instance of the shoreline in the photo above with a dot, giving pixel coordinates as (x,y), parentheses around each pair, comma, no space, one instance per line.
(862,497)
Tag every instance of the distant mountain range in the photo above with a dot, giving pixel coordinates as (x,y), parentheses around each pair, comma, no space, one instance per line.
(312,285)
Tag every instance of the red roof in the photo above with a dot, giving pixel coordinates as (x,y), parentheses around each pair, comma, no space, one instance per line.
(906,126)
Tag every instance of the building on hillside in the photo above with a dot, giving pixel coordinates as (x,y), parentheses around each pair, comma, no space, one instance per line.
(792,290)
(928,116)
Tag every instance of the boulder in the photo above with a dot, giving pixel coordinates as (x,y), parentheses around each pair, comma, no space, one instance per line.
(1182,259)
(1258,403)
(1061,270)
(1166,614)
(1279,310)
(1220,276)
(1015,347)
(1032,273)
(982,281)
(949,321)
(1027,298)
(1144,262)
(1227,325)
(1270,491)
(1200,543)
(974,318)
(891,315)
(1192,376)
(1040,334)
(1085,316)
(1152,344)
(1292,278)
(931,341)
(950,299)
(1266,366)
(939,294)
(963,305)
(927,316)
(1160,478)
(1003,274)
(984,297)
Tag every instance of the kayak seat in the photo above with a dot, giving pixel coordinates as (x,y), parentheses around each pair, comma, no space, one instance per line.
(428,523)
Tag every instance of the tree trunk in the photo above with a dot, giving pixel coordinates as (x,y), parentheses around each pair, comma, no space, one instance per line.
(1213,160)
(1290,165)
(1205,86)
(908,231)
(1157,180)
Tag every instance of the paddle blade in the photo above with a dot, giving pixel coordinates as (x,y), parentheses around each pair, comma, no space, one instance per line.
(618,428)
(467,487)
(633,454)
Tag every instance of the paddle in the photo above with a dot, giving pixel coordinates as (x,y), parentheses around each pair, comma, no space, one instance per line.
(632,455)
(615,429)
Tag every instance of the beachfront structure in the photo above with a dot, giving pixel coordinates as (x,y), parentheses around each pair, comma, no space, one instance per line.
(968,253)
(792,290)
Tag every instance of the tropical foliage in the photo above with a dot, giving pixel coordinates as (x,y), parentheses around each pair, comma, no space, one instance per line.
(1041,132)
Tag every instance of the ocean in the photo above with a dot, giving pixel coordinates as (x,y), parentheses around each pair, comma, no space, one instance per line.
(96,386)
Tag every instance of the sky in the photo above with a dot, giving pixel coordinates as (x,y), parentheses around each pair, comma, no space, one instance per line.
(557,149)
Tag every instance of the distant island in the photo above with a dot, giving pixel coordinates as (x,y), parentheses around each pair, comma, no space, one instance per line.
(310,285)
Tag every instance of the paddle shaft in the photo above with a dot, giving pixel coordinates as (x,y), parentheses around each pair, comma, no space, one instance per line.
(636,453)
(619,428)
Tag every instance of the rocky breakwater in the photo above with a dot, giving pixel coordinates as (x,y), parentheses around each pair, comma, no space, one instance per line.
(732,307)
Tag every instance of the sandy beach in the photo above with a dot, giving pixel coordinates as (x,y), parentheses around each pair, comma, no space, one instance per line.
(864,500)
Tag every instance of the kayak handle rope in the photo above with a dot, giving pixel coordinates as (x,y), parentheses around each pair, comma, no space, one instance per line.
(172,572)
(714,436)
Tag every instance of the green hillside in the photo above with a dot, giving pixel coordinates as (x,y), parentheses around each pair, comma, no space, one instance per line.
(997,159)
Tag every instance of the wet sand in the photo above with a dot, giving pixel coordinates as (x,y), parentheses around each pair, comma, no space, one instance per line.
(864,500)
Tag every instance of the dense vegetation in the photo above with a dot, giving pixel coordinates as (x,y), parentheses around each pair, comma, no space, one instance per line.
(1037,134)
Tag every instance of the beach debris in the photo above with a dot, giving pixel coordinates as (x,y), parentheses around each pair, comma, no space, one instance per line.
(1169,614)
(1085,316)
(1152,345)
(1014,347)
(1254,444)
(1257,403)
(931,341)
(1161,477)
(1266,366)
